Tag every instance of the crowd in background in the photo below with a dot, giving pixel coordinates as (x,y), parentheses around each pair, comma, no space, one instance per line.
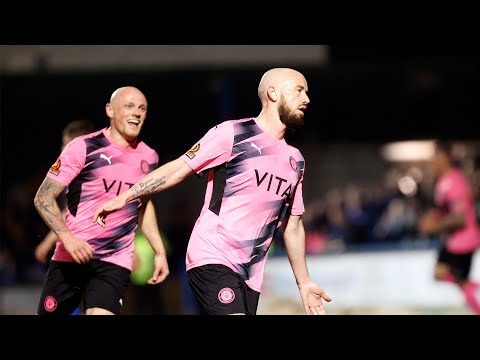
(377,216)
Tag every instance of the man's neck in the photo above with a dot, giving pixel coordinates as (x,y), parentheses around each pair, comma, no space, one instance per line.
(271,125)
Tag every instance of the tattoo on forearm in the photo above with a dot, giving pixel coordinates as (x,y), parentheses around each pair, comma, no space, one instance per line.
(47,206)
(147,187)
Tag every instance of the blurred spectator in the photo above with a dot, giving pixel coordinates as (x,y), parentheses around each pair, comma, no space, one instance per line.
(398,222)
(357,218)
(316,226)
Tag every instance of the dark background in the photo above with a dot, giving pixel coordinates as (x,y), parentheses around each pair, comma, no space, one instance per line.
(367,93)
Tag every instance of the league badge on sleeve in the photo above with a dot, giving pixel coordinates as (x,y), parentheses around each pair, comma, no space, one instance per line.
(55,169)
(191,153)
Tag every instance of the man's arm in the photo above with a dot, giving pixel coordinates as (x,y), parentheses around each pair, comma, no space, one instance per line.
(160,179)
(310,292)
(46,204)
(433,223)
(46,245)
(149,226)
(451,223)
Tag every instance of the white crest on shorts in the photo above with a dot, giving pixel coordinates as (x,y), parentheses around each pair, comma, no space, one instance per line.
(50,303)
(226,295)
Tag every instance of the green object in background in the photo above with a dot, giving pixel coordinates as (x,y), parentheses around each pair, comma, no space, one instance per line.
(145,254)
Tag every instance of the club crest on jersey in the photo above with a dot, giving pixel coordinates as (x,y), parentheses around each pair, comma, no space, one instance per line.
(55,168)
(191,153)
(144,166)
(293,164)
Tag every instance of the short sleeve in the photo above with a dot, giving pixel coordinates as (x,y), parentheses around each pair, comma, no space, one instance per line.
(70,162)
(213,149)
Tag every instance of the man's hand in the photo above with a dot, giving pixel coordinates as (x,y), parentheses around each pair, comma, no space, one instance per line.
(46,245)
(428,223)
(312,296)
(107,208)
(80,250)
(161,270)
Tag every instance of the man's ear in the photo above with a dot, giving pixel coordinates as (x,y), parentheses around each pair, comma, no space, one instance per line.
(272,93)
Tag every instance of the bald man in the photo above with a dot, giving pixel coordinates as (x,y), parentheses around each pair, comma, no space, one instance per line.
(254,187)
(91,263)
